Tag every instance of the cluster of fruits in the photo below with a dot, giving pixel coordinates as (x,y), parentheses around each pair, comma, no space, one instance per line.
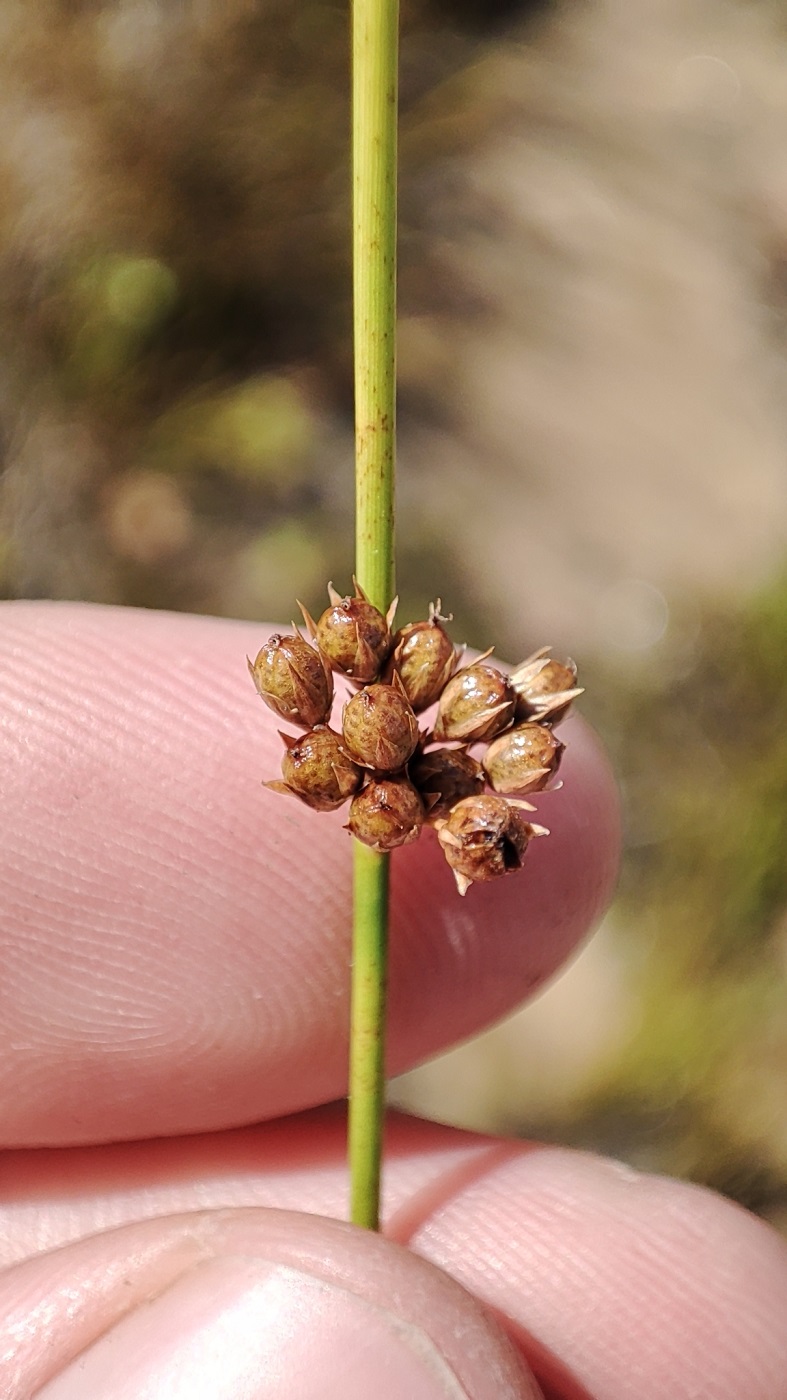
(397,777)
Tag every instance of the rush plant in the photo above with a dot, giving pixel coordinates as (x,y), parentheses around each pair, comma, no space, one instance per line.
(399,779)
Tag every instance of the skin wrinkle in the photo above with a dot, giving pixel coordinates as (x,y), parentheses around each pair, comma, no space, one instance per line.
(555,1380)
(299,1161)
(411,1218)
(405,1223)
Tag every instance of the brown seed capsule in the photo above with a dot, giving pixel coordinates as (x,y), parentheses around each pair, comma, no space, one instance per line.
(523,759)
(484,837)
(386,813)
(425,658)
(379,728)
(316,769)
(476,704)
(545,688)
(352,635)
(443,777)
(292,678)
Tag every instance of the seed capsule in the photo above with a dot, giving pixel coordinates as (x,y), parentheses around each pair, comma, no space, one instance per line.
(476,704)
(425,658)
(379,728)
(485,837)
(386,813)
(352,635)
(545,688)
(523,759)
(443,777)
(316,769)
(292,678)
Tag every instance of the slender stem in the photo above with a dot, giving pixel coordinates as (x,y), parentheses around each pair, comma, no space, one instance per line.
(367,1035)
(375,30)
(375,82)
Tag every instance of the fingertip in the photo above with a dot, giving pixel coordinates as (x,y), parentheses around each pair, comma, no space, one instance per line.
(254,1304)
(178,938)
(618,1274)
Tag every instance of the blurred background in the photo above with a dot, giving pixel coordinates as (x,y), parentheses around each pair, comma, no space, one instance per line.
(593,443)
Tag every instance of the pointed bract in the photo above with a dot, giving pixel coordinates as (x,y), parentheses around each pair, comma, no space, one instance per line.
(311,625)
(545,688)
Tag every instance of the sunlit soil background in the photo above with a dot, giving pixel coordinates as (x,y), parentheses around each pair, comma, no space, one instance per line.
(592,444)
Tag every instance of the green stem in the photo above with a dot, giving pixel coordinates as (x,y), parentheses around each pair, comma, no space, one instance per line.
(367,1035)
(375,32)
(375,81)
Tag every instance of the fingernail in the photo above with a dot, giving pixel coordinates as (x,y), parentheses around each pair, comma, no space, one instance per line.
(235,1327)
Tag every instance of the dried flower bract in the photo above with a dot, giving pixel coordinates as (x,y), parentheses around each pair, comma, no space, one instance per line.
(484,837)
(545,688)
(397,778)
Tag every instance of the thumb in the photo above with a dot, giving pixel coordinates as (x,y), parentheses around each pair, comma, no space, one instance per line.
(247,1305)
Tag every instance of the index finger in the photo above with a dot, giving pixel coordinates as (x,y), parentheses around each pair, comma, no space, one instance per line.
(175,940)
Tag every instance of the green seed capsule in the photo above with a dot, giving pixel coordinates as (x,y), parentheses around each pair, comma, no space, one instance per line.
(386,813)
(425,658)
(293,680)
(353,636)
(484,837)
(443,777)
(545,688)
(476,704)
(523,759)
(379,728)
(316,769)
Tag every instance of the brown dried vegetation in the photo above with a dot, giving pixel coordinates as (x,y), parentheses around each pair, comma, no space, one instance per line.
(400,777)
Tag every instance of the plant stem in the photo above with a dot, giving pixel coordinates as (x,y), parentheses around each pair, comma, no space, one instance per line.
(367,1034)
(375,31)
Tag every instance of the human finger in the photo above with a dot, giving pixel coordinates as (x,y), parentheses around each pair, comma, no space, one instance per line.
(175,940)
(247,1305)
(612,1283)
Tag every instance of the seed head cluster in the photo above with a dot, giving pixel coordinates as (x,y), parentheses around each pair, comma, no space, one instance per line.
(398,777)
